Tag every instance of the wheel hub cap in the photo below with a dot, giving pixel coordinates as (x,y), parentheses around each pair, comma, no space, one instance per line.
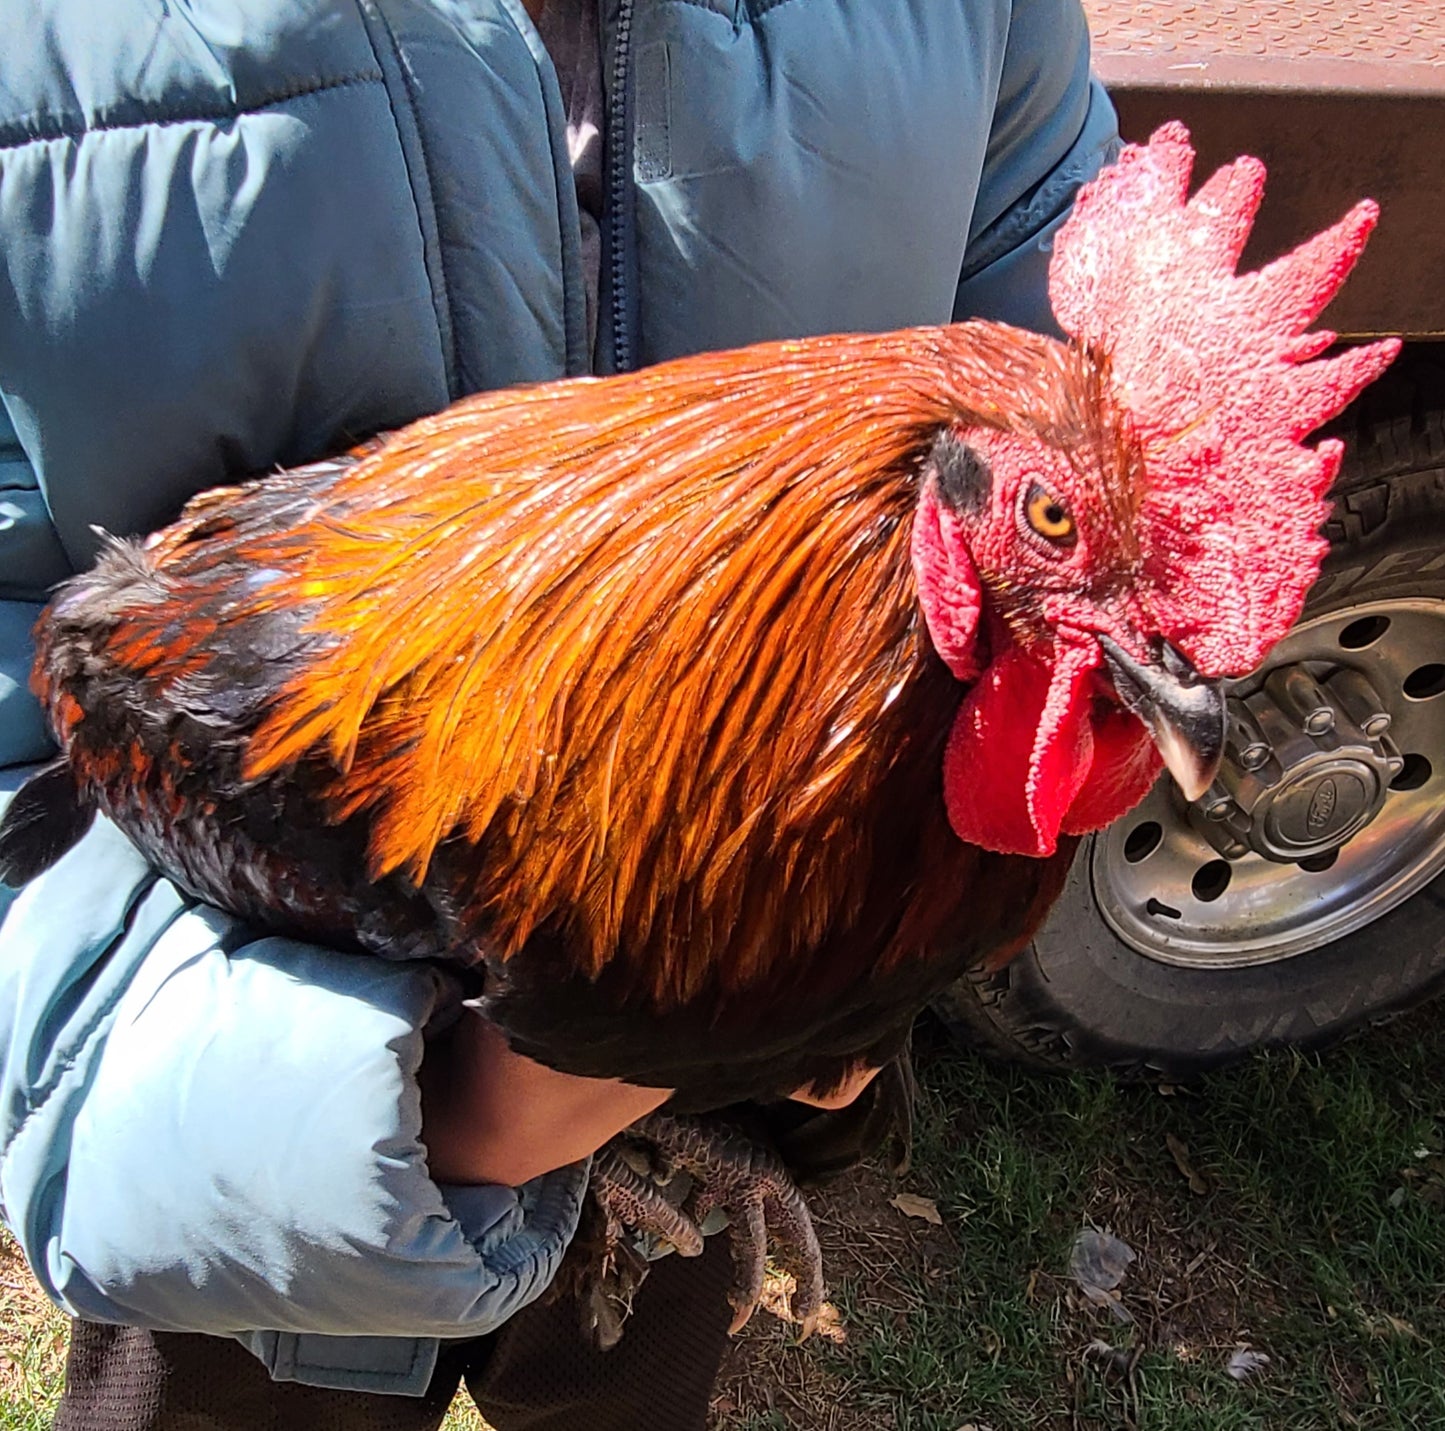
(1329,809)
(1307,765)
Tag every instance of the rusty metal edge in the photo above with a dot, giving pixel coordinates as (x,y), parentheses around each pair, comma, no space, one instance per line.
(1199,68)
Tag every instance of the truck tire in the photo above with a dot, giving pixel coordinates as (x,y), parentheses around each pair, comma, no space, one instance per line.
(1165,957)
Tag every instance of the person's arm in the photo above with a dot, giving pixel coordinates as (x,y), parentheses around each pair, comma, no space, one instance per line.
(210,1134)
(1053,129)
(31,561)
(492,1115)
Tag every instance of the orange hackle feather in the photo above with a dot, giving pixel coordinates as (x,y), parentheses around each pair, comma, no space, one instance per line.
(643,640)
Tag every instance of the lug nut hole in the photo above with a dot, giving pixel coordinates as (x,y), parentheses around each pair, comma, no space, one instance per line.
(1425,681)
(1318,864)
(1413,773)
(1364,632)
(1143,840)
(1211,880)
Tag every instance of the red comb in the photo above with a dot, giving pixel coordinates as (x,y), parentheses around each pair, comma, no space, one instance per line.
(1216,372)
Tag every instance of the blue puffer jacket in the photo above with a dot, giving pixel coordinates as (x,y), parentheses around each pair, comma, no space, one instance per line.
(235,233)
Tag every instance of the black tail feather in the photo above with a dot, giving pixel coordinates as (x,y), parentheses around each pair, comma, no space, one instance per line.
(46,817)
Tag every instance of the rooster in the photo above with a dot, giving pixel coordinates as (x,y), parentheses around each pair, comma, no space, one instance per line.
(718,715)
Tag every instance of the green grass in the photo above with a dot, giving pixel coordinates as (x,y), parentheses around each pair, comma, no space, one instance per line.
(32,1348)
(1318,1239)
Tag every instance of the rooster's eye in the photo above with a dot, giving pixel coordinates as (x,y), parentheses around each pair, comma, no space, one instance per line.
(1049,517)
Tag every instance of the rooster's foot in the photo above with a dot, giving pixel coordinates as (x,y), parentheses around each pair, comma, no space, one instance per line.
(748,1181)
(631,1200)
(604,1269)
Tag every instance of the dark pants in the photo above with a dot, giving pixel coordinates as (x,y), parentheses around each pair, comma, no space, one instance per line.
(537,1373)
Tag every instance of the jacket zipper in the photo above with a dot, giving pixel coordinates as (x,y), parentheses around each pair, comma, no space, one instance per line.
(618,151)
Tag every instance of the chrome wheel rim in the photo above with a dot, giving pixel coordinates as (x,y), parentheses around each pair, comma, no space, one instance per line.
(1166,888)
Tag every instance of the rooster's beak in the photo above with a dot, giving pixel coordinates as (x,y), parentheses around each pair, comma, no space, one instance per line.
(1183,711)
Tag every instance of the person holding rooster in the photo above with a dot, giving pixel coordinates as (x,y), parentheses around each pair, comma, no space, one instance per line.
(278,1185)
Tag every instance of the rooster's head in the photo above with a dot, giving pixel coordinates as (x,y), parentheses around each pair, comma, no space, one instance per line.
(1144,521)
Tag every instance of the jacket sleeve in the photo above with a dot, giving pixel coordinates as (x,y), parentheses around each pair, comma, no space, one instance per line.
(1054,128)
(202,1133)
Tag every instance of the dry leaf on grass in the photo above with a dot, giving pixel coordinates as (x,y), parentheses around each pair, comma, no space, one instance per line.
(1180,1153)
(1116,1361)
(911,1205)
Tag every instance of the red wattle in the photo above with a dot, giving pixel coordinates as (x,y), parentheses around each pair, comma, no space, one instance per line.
(1126,765)
(1020,750)
(1034,753)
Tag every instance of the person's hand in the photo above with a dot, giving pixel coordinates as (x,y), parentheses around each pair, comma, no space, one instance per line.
(492,1116)
(839,1097)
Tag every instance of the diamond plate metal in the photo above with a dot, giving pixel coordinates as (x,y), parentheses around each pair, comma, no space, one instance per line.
(1348,44)
(1412,30)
